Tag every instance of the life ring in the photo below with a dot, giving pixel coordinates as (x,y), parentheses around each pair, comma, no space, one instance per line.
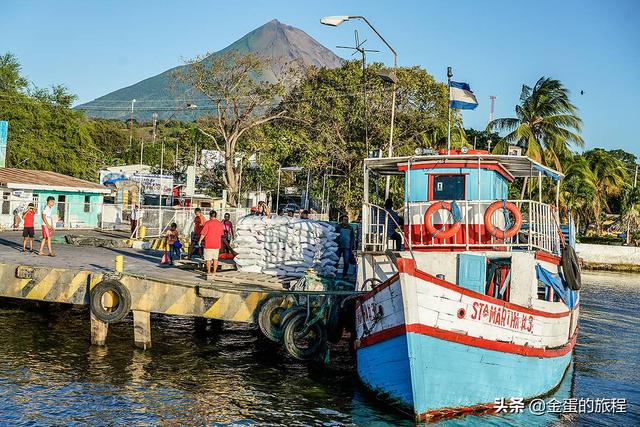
(440,233)
(495,231)
(571,268)
(120,303)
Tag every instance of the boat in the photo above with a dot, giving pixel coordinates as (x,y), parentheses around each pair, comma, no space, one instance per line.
(469,297)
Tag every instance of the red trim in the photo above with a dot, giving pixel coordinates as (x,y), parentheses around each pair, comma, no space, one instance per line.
(503,347)
(469,165)
(404,267)
(438,414)
(544,256)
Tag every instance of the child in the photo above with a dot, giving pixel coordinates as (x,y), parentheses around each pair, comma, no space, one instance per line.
(173,241)
(47,226)
(28,232)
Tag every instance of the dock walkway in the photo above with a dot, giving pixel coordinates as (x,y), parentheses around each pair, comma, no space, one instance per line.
(154,288)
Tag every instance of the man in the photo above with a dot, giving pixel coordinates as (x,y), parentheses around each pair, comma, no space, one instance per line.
(346,243)
(393,222)
(212,236)
(47,226)
(198,225)
(135,218)
(227,238)
(28,232)
(304,214)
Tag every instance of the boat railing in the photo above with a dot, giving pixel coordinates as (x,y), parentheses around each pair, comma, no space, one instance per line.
(539,230)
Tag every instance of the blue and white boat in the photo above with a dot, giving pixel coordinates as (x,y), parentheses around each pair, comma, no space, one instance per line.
(481,302)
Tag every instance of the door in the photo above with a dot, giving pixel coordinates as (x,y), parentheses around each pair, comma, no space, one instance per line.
(472,270)
(447,187)
(62,209)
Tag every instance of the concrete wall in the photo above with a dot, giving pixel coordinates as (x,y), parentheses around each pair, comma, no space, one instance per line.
(605,254)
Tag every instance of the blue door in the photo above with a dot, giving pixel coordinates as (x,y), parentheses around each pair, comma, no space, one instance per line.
(472,270)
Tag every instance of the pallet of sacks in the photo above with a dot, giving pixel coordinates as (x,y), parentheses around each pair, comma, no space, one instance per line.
(284,246)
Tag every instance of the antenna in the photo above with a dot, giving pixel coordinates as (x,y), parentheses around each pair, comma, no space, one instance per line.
(492,99)
(358,48)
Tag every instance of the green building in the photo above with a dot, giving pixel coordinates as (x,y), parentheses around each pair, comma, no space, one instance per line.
(78,202)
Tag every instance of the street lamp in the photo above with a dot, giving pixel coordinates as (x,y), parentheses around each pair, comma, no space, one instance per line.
(334,21)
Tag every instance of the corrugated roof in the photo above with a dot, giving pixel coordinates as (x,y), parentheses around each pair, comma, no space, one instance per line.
(29,178)
(518,166)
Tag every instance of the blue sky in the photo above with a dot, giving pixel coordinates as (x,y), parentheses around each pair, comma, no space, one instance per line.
(96,47)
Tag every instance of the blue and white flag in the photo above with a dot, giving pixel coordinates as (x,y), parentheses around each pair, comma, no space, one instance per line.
(461,97)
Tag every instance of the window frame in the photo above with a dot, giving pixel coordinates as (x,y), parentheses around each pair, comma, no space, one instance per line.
(432,177)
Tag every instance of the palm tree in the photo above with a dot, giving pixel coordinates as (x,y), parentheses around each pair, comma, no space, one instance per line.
(603,174)
(546,123)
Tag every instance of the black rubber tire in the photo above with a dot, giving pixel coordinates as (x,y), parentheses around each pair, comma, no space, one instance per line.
(270,318)
(571,268)
(335,325)
(124,301)
(292,329)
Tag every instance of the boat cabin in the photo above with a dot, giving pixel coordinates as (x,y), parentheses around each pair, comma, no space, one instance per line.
(460,202)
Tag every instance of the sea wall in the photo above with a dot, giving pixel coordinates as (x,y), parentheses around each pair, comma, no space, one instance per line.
(606,257)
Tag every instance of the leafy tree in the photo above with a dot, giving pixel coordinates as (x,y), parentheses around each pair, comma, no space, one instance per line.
(603,174)
(546,123)
(235,85)
(11,82)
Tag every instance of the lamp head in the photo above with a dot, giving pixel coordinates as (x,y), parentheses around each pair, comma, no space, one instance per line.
(333,21)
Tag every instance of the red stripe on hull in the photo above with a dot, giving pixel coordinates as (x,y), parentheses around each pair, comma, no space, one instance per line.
(408,266)
(544,256)
(459,338)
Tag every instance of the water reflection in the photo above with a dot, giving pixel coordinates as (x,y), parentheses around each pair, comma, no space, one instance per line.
(50,375)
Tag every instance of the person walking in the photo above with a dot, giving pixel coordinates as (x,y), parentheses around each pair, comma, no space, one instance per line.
(212,236)
(135,219)
(173,242)
(47,226)
(228,235)
(346,243)
(198,225)
(28,232)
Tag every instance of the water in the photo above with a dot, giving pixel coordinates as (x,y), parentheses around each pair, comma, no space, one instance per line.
(50,375)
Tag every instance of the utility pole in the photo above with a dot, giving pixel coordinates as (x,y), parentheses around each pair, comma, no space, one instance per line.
(133,101)
(635,182)
(492,100)
(449,75)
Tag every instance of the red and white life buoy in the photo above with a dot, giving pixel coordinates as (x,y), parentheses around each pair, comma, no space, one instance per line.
(497,232)
(440,233)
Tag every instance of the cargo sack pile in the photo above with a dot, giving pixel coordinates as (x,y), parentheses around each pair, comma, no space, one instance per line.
(283,246)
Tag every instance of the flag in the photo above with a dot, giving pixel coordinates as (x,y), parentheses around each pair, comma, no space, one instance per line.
(461,97)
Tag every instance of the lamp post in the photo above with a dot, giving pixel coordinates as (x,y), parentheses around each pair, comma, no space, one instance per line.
(133,101)
(334,21)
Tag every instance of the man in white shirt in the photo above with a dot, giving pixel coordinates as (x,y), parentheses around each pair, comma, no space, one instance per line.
(47,226)
(136,215)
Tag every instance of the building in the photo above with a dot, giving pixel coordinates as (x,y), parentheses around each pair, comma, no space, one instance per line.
(78,202)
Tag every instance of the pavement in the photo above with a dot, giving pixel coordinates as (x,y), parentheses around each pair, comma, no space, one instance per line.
(98,259)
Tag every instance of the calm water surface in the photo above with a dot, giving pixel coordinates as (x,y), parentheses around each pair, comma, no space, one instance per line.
(50,375)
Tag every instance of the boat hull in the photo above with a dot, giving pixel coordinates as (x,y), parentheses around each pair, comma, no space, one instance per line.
(426,346)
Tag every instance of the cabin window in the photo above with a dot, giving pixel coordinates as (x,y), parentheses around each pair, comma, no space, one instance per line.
(447,187)
(62,202)
(87,204)
(498,278)
(6,200)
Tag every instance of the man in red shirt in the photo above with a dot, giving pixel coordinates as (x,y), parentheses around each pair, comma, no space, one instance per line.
(212,235)
(198,225)
(28,232)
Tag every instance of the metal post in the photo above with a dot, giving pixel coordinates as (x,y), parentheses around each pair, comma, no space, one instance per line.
(161,188)
(278,192)
(133,101)
(449,75)
(306,194)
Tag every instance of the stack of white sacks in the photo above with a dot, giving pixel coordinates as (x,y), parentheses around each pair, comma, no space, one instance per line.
(284,246)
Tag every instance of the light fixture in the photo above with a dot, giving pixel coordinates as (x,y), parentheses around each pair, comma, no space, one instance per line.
(464,149)
(333,21)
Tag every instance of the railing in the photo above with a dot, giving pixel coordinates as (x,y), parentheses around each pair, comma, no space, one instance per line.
(539,229)
(378,227)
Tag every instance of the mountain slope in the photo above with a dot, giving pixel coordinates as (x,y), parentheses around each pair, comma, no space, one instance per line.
(280,42)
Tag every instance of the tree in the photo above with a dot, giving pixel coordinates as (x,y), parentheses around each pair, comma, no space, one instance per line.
(546,123)
(603,174)
(11,82)
(236,88)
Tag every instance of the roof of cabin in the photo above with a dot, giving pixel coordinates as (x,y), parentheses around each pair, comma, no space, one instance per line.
(518,166)
(25,179)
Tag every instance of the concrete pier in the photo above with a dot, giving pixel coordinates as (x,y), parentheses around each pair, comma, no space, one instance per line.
(148,287)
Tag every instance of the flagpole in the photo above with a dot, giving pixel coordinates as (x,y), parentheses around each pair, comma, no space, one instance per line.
(449,75)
